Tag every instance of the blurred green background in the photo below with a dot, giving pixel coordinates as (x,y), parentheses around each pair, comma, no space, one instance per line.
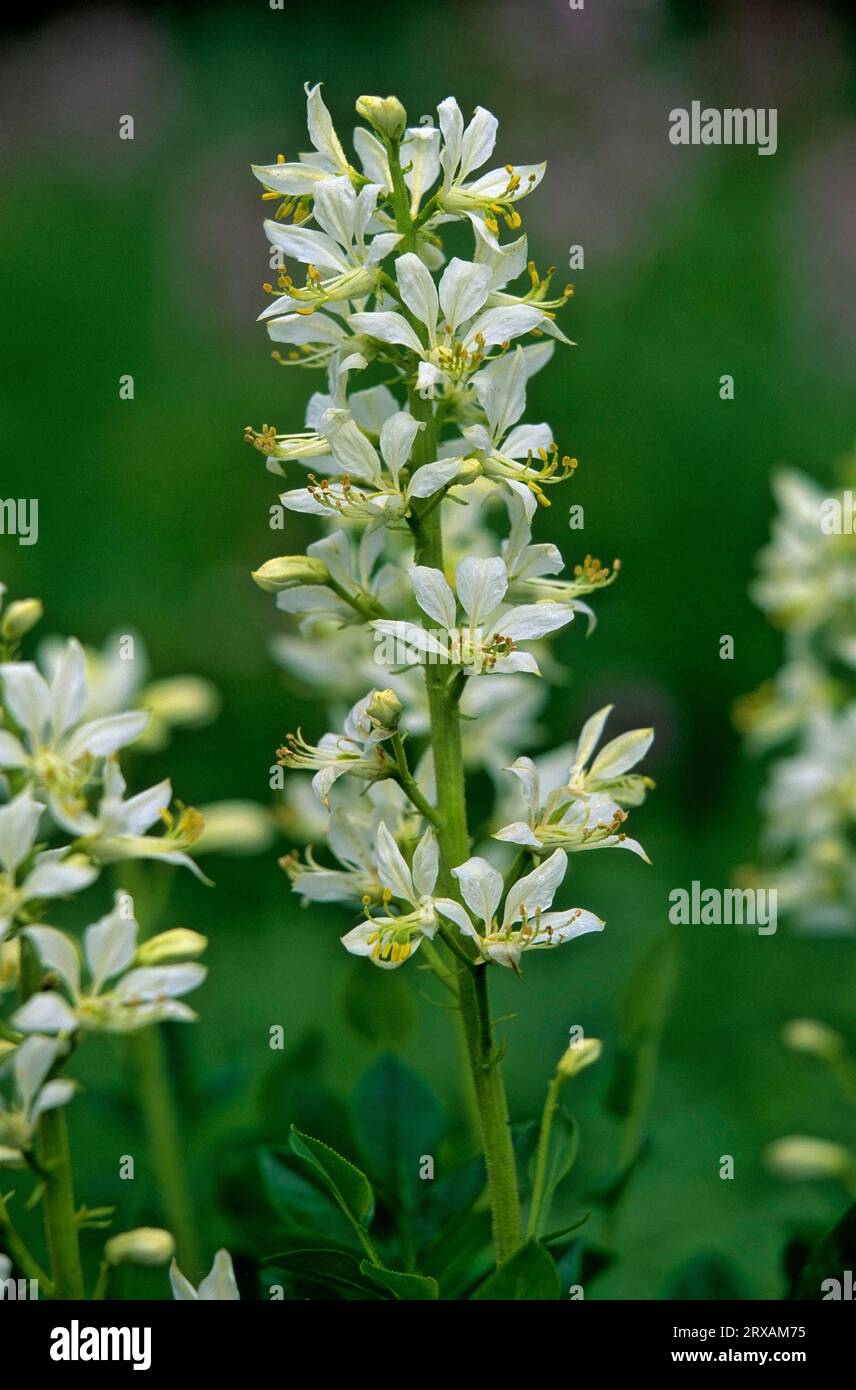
(146,257)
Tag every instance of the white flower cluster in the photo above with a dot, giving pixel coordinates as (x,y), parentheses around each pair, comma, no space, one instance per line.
(64,815)
(405,602)
(807,586)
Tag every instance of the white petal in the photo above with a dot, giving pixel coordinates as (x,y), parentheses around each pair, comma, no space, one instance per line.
(590,736)
(57,952)
(434,595)
(478,143)
(46,1012)
(481,887)
(621,754)
(392,866)
(68,688)
(101,737)
(322,132)
(447,907)
(418,290)
(33,1060)
(558,927)
(535,890)
(502,325)
(110,945)
(431,477)
(387,328)
(396,440)
(464,288)
(481,585)
(27,697)
(220,1283)
(532,620)
(518,833)
(19,824)
(12,751)
(426,864)
(153,983)
(56,1093)
(308,246)
(54,878)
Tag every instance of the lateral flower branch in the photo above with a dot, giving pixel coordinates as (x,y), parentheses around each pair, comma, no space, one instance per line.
(408,606)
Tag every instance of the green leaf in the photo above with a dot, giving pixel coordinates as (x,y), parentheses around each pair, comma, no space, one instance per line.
(404,1286)
(707,1276)
(529,1275)
(396,1120)
(307,1215)
(829,1259)
(322,1269)
(350,1188)
(379,1004)
(561,1155)
(646,998)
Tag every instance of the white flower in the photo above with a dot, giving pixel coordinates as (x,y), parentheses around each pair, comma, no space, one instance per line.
(116,829)
(56,750)
(356,751)
(53,874)
(526,903)
(458,327)
(488,641)
(390,941)
(342,263)
(508,451)
(327,160)
(138,996)
(218,1286)
(467,148)
(32,1062)
(584,812)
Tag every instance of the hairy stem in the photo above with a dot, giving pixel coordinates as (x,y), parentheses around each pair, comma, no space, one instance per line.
(454,841)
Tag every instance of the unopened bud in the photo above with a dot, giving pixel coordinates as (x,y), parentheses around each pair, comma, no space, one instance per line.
(579,1055)
(804,1158)
(147,1245)
(178,944)
(384,709)
(385,114)
(815,1038)
(289,572)
(20,617)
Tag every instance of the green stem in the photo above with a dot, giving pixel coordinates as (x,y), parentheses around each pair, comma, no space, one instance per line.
(60,1212)
(408,783)
(539,1185)
(166,1150)
(453,837)
(54,1157)
(19,1253)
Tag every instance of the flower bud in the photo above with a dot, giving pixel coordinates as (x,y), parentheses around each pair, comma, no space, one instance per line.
(20,617)
(804,1158)
(235,827)
(182,700)
(384,709)
(178,944)
(147,1245)
(814,1038)
(386,115)
(579,1055)
(289,572)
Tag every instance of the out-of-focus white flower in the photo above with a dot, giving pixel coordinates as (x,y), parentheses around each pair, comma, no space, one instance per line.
(140,995)
(56,749)
(234,827)
(526,903)
(219,1285)
(116,829)
(357,752)
(31,1064)
(53,874)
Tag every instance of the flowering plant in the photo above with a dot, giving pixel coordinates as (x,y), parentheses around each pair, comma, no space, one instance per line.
(65,817)
(409,607)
